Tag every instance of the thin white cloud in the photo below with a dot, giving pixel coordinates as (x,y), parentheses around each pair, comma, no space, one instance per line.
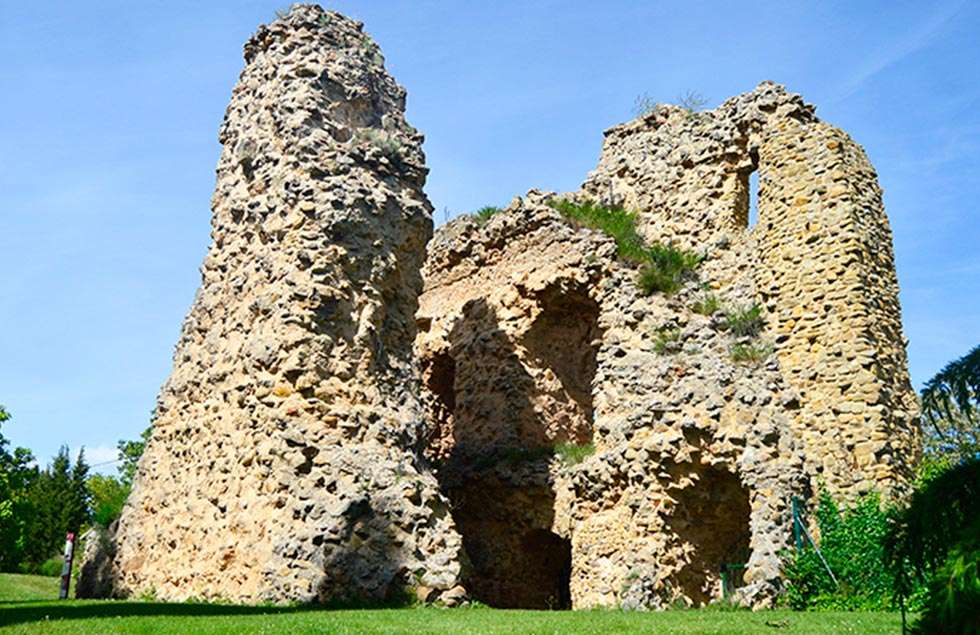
(102,458)
(901,49)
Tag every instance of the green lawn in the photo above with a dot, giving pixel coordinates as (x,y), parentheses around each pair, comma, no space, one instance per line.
(26,607)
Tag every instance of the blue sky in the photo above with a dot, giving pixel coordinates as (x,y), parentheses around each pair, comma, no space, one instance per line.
(108,141)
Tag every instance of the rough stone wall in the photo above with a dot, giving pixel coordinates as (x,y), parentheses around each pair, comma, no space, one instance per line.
(694,461)
(284,462)
(819,261)
(560,450)
(696,456)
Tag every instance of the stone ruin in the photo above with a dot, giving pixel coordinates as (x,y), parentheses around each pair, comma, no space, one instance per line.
(516,429)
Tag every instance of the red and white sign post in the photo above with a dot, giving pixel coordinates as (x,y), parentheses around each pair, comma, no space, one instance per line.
(66,569)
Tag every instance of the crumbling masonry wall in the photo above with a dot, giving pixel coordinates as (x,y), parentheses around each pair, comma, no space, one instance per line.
(819,261)
(283,463)
(556,438)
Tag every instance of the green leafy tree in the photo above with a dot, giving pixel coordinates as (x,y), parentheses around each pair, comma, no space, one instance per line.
(936,541)
(17,472)
(951,408)
(109,494)
(130,453)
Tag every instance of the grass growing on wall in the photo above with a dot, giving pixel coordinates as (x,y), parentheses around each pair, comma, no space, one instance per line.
(750,353)
(745,321)
(574,453)
(663,267)
(484,214)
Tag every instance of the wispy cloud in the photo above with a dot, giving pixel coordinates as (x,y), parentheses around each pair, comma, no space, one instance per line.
(102,458)
(899,50)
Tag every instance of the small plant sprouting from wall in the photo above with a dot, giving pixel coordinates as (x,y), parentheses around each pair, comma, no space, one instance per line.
(752,353)
(574,453)
(707,304)
(644,104)
(692,101)
(483,214)
(663,268)
(389,144)
(667,269)
(745,321)
(667,341)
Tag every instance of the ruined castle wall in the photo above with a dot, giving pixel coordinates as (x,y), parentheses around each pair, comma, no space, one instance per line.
(283,462)
(694,461)
(819,261)
(827,276)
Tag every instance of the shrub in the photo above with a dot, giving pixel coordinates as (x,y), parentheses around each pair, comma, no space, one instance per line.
(572,453)
(666,341)
(51,567)
(663,267)
(936,540)
(483,214)
(388,143)
(644,104)
(750,353)
(692,101)
(852,542)
(708,304)
(745,322)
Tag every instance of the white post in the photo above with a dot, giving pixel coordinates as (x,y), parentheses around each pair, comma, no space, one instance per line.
(66,569)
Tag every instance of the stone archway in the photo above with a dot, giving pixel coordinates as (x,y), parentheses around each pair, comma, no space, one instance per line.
(711,521)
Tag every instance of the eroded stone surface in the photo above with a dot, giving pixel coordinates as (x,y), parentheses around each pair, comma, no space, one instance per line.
(561,449)
(534,335)
(283,463)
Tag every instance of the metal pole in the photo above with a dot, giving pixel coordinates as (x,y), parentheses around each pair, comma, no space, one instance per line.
(797,524)
(66,569)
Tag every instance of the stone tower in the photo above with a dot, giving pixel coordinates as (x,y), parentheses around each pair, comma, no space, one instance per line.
(558,437)
(819,258)
(284,462)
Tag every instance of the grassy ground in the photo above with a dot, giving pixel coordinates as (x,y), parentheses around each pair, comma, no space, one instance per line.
(25,607)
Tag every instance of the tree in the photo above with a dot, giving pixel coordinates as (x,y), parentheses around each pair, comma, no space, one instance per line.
(109,494)
(936,540)
(17,473)
(60,503)
(951,408)
(130,452)
(77,498)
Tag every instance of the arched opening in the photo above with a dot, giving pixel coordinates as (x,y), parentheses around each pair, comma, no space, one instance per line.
(502,401)
(711,520)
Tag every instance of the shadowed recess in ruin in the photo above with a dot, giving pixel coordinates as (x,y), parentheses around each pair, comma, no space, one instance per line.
(711,517)
(563,340)
(496,472)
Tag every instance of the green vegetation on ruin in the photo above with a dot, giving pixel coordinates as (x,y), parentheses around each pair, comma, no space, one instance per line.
(745,321)
(483,214)
(663,268)
(27,608)
(707,304)
(665,341)
(574,453)
(751,353)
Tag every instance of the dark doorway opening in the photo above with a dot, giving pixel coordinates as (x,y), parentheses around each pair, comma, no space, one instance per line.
(712,519)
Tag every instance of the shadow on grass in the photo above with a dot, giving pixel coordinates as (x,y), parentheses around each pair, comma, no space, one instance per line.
(39,611)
